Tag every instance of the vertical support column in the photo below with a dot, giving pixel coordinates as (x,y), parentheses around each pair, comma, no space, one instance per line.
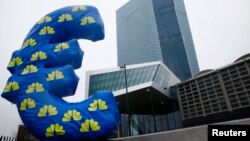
(201,101)
(224,91)
(248,70)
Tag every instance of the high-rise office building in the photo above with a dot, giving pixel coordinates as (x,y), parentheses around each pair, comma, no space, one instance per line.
(156,30)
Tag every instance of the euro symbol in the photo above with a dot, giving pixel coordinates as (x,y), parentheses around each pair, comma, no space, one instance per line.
(43,72)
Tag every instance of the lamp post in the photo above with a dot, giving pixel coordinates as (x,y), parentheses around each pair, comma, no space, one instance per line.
(126,86)
(152,108)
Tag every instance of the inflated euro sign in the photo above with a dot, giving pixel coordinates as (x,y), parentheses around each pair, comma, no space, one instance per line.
(43,72)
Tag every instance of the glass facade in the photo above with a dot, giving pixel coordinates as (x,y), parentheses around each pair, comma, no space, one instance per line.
(145,124)
(156,30)
(115,80)
(151,110)
(137,37)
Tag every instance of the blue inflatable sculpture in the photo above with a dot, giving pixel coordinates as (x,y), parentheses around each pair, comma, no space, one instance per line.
(43,72)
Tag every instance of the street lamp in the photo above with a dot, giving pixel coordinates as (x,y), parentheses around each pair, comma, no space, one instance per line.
(165,112)
(126,86)
(152,108)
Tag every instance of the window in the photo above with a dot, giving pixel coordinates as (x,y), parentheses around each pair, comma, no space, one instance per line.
(236,81)
(213,101)
(248,87)
(196,97)
(229,87)
(219,94)
(247,82)
(193,114)
(226,79)
(242,69)
(212,96)
(203,95)
(215,78)
(207,107)
(233,72)
(223,104)
(209,84)
(233,100)
(201,82)
(232,96)
(206,102)
(244,73)
(215,105)
(190,99)
(208,111)
(230,92)
(197,101)
(245,103)
(208,80)
(225,75)
(241,94)
(235,76)
(246,78)
(235,105)
(238,85)
(216,82)
(243,99)
(205,98)
(200,113)
(183,97)
(202,86)
(189,96)
(224,108)
(211,93)
(210,89)
(216,110)
(228,84)
(191,102)
(239,89)
(184,104)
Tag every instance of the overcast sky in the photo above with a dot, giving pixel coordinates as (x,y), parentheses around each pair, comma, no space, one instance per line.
(220,29)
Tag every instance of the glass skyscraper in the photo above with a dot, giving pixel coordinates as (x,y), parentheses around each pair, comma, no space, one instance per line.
(156,30)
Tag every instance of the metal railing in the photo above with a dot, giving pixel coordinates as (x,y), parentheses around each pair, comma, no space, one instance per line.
(7,138)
